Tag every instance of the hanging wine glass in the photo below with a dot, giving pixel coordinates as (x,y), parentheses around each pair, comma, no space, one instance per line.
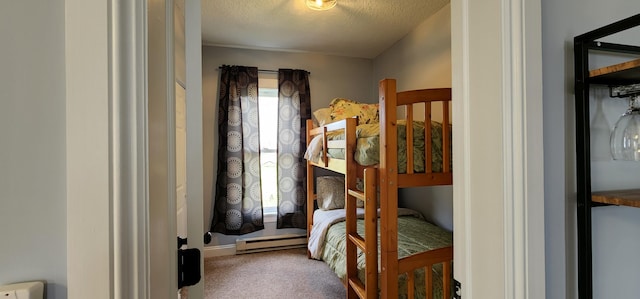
(625,138)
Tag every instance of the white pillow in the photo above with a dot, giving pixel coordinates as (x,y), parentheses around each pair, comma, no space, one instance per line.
(322,116)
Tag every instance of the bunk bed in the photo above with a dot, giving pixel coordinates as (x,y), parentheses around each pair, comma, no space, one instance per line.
(375,264)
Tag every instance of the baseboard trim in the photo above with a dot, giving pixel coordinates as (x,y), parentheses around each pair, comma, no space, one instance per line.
(219,250)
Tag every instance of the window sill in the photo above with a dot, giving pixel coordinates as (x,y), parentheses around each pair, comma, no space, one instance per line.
(269,218)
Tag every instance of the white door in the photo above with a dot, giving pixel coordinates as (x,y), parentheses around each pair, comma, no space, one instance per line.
(188,130)
(163,258)
(180,116)
(181,161)
(180,123)
(181,170)
(194,171)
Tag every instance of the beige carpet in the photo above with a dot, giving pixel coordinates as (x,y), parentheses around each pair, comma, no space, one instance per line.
(275,274)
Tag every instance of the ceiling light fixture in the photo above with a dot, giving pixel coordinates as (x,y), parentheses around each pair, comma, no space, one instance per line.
(321,4)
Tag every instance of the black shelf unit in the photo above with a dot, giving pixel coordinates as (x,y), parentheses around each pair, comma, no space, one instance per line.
(621,74)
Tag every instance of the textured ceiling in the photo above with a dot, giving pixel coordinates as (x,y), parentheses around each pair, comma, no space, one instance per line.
(355,28)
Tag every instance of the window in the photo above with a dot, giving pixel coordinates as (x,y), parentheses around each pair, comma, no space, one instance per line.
(268,119)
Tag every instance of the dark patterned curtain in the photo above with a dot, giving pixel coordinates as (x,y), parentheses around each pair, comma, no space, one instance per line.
(294,109)
(238,199)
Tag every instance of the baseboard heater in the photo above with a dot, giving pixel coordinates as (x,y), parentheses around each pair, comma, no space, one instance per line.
(259,244)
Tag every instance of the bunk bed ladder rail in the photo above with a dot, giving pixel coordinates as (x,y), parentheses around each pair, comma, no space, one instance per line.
(368,245)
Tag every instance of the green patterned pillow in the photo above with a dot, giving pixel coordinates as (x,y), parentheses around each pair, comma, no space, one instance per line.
(330,190)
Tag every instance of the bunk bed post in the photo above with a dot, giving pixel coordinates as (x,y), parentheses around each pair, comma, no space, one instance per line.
(310,188)
(388,174)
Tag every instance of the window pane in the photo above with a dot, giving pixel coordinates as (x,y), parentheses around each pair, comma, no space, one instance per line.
(268,113)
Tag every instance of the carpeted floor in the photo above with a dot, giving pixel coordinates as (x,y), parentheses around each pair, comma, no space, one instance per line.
(275,274)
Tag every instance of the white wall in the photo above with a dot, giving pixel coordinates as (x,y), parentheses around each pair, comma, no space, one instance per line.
(422,59)
(331,77)
(615,229)
(32,158)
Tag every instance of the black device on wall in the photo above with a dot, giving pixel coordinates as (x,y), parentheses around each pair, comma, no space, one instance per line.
(613,76)
(188,265)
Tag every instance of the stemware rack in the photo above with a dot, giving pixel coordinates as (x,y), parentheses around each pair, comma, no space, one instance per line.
(626,73)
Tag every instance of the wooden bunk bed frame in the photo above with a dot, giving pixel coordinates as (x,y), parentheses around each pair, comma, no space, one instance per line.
(386,176)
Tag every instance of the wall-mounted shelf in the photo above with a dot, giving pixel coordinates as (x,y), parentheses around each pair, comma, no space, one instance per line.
(622,73)
(629,198)
(626,73)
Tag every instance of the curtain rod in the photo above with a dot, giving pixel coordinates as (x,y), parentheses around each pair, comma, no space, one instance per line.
(264,70)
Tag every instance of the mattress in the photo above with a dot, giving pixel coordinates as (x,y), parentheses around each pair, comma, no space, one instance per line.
(368,146)
(414,235)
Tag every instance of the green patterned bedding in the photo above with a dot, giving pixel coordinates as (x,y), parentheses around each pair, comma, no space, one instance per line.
(368,146)
(414,235)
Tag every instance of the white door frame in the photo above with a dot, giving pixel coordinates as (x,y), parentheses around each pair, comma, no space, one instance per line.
(107,199)
(111,229)
(497,111)
(108,231)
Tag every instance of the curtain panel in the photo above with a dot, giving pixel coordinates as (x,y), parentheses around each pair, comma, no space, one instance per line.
(238,198)
(294,108)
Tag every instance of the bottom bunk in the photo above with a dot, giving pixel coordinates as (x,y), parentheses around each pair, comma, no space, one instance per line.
(417,238)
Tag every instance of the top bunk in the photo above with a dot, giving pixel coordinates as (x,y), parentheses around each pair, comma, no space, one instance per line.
(407,134)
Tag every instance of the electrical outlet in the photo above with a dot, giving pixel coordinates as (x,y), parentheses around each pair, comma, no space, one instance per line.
(457,289)
(32,289)
(8,295)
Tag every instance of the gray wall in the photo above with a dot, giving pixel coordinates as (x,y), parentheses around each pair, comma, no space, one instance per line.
(32,158)
(331,77)
(422,59)
(615,229)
